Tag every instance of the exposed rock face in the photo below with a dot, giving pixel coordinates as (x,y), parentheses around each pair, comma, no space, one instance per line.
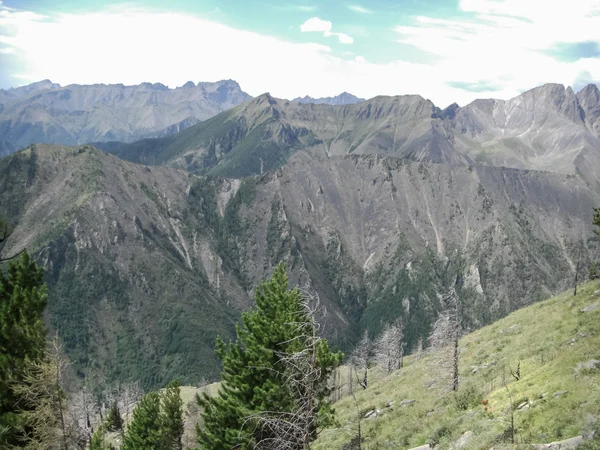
(45,112)
(158,259)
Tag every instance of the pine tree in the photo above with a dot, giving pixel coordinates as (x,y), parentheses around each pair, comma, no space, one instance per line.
(98,441)
(144,432)
(172,417)
(22,333)
(253,376)
(114,421)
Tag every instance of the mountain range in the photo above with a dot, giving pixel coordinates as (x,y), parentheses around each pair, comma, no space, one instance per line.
(344,98)
(547,128)
(154,248)
(45,112)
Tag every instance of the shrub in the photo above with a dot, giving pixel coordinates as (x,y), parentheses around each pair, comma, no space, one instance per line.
(468,397)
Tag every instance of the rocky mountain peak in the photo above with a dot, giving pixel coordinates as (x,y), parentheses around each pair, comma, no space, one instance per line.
(589,95)
(189,85)
(450,111)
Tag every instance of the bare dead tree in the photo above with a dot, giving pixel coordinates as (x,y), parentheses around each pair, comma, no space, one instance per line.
(130,394)
(362,359)
(304,376)
(5,233)
(444,339)
(359,438)
(511,408)
(419,349)
(350,380)
(389,347)
(576,277)
(83,415)
(516,374)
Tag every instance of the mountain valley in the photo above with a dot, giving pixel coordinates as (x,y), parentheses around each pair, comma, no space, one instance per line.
(157,258)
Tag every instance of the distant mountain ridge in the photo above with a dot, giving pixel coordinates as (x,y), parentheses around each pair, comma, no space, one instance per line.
(547,128)
(344,98)
(46,112)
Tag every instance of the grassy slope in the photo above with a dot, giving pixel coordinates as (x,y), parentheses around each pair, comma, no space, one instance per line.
(549,338)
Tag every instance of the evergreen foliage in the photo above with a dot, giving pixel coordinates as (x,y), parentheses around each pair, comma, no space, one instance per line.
(594,273)
(596,220)
(172,417)
(114,421)
(253,376)
(98,441)
(144,431)
(22,333)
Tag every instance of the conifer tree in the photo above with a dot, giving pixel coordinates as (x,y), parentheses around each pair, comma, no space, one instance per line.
(114,421)
(22,333)
(253,375)
(144,431)
(172,417)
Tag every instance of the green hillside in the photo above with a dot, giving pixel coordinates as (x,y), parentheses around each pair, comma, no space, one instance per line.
(550,339)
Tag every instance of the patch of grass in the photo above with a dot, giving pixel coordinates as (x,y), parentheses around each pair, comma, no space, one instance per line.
(549,339)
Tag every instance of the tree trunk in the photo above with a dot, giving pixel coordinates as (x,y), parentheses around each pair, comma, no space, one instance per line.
(455,363)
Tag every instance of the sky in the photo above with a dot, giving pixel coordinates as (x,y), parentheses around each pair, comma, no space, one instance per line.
(445,50)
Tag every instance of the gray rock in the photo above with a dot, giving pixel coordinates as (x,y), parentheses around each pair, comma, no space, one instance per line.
(404,403)
(592,307)
(422,447)
(571,443)
(559,394)
(370,414)
(523,405)
(390,403)
(588,365)
(462,441)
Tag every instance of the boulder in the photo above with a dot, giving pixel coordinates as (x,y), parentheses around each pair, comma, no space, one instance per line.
(370,414)
(404,403)
(592,307)
(588,365)
(571,443)
(462,441)
(523,405)
(559,394)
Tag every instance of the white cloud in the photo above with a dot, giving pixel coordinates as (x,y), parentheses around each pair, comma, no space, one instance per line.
(6,50)
(506,42)
(315,24)
(493,47)
(360,9)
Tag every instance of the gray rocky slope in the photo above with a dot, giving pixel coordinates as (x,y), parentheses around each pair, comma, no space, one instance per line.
(146,265)
(45,112)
